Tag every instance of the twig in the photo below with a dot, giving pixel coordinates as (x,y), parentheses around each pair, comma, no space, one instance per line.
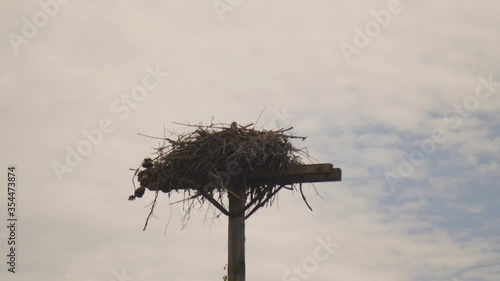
(304,197)
(158,138)
(258,118)
(168,222)
(151,212)
(269,196)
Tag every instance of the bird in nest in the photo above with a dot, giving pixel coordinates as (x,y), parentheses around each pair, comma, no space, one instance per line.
(234,126)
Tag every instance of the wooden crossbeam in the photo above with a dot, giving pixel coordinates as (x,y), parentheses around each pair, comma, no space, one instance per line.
(324,172)
(297,174)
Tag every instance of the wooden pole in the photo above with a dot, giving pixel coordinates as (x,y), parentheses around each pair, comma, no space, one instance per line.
(236,235)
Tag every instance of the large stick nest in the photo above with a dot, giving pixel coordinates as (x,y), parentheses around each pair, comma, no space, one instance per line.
(212,161)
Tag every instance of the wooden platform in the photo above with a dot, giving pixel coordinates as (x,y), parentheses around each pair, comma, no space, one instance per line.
(297,174)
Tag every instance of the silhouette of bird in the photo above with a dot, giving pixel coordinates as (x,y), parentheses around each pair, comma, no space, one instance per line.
(234,126)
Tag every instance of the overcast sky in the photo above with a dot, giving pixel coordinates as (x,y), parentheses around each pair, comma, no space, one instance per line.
(404,96)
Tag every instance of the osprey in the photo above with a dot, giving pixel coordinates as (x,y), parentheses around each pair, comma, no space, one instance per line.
(234,126)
